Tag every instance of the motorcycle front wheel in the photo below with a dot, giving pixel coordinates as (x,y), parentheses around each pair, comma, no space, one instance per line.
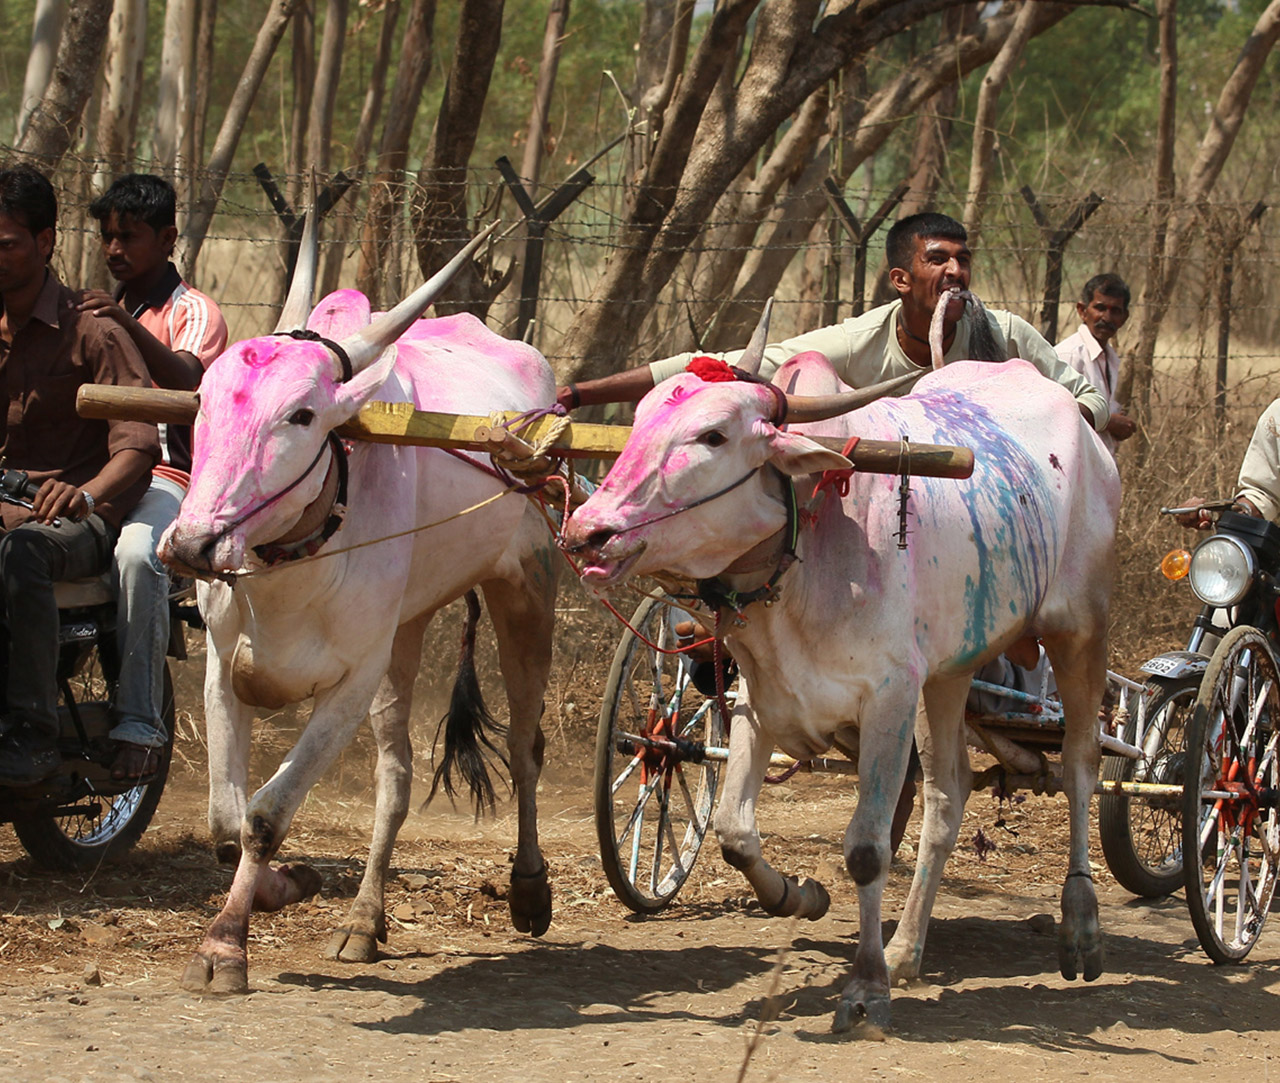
(99,827)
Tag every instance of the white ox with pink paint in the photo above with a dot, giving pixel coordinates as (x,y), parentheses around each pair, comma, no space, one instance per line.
(861,627)
(346,630)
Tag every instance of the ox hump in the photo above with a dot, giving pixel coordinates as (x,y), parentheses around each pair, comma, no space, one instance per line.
(341,313)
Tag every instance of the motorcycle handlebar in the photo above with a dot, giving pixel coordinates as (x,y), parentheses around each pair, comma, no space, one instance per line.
(17,487)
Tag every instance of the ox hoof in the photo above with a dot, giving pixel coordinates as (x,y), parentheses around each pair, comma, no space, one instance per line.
(230,978)
(530,901)
(305,879)
(1080,944)
(1072,958)
(865,1017)
(346,946)
(817,899)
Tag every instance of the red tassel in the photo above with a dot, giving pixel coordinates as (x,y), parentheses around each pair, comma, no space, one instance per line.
(710,369)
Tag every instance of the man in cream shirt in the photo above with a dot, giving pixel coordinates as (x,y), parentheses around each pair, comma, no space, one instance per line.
(928,254)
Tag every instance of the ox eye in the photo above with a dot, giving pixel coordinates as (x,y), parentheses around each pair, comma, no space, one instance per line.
(302,417)
(714,438)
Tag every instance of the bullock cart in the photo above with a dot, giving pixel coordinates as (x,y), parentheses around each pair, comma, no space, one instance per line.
(661,740)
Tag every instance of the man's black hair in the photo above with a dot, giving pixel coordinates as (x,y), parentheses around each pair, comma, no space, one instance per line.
(1107,284)
(900,244)
(28,198)
(143,196)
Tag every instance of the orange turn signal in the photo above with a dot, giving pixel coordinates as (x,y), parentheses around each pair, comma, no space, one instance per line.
(1176,564)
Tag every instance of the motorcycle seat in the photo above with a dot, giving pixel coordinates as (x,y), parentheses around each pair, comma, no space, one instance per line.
(78,593)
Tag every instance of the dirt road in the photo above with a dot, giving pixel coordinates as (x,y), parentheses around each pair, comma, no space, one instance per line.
(89,987)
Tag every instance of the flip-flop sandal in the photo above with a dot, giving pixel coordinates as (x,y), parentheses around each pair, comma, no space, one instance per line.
(143,761)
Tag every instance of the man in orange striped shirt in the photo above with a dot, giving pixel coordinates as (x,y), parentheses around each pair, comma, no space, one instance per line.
(179,331)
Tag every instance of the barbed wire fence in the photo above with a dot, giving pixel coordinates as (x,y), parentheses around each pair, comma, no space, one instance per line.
(1193,448)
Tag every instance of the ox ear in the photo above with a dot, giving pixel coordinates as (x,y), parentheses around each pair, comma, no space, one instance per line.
(797,455)
(354,393)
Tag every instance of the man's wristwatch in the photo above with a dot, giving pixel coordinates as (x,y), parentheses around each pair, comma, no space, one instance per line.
(89,502)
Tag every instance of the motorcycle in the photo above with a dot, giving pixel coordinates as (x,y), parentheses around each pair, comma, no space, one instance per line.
(1210,723)
(81,816)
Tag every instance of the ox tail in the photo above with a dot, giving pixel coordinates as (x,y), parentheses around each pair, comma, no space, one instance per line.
(470,731)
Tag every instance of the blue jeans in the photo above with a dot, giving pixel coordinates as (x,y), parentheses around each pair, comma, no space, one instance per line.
(32,558)
(142,616)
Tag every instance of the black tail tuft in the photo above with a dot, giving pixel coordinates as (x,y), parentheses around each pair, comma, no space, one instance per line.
(469,728)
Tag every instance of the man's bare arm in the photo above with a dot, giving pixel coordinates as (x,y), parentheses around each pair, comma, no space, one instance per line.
(174,369)
(630,385)
(58,498)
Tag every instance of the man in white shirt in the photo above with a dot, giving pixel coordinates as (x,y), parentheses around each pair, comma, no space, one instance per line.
(928,254)
(1103,309)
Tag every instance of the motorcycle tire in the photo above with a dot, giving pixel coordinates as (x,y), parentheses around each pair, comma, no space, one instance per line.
(99,828)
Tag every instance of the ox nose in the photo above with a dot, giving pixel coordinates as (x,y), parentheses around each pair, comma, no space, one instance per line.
(188,553)
(584,542)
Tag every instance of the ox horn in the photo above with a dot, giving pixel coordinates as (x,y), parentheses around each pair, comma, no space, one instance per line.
(297,306)
(820,407)
(367,345)
(754,353)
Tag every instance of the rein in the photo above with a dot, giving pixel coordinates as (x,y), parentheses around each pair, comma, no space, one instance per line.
(718,596)
(331,442)
(695,504)
(279,552)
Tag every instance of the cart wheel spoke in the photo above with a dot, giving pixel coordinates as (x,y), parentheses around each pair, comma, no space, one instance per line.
(648,847)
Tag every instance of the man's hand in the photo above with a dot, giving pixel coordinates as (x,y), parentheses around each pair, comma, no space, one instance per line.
(101,303)
(57,500)
(1121,426)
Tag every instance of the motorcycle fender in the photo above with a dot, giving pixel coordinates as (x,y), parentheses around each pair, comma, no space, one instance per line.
(1173,665)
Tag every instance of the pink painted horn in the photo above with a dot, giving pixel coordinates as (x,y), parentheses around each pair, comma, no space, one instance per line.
(367,345)
(802,408)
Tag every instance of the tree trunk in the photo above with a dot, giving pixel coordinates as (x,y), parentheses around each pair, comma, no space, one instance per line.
(208,18)
(704,145)
(984,122)
(174,91)
(121,80)
(52,126)
(303,60)
(269,34)
(369,114)
(329,68)
(536,140)
(933,133)
(441,225)
(1136,379)
(46,32)
(794,218)
(663,51)
(385,187)
(1215,147)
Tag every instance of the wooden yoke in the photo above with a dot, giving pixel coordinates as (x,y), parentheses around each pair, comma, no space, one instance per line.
(400,423)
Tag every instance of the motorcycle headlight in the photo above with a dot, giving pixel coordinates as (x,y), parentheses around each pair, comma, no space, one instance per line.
(1222,571)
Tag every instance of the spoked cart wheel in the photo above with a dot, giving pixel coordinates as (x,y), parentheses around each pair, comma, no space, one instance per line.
(1231,828)
(1142,836)
(654,787)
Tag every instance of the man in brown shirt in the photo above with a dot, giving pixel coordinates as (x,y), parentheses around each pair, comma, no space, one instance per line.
(90,473)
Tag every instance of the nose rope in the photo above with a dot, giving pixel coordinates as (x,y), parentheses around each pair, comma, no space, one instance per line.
(330,442)
(689,507)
